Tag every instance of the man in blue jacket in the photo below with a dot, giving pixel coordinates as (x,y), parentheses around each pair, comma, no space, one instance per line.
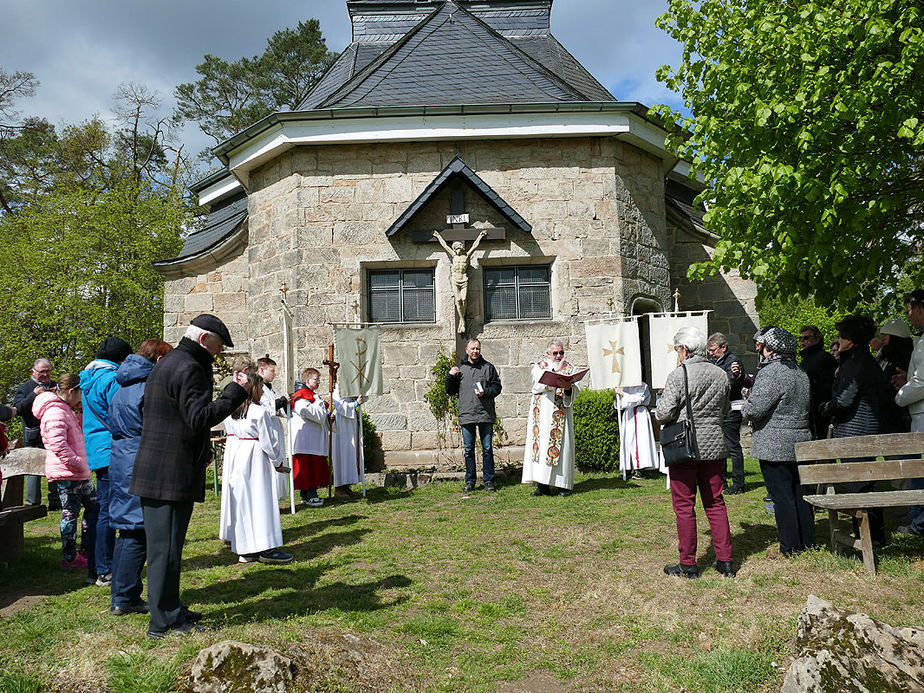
(477,383)
(98,384)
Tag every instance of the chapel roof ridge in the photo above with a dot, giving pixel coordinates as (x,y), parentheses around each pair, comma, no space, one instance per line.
(454,56)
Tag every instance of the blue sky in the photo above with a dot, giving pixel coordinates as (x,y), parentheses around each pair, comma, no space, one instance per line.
(81,50)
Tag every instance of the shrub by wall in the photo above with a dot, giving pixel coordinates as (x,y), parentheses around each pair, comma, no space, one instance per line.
(596,430)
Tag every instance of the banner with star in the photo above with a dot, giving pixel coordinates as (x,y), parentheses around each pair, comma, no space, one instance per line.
(614,353)
(661,330)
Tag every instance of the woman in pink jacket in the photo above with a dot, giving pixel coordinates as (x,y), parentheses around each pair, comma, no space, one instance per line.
(66,460)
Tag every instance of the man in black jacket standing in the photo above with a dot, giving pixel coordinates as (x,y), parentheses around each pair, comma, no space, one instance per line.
(819,366)
(717,346)
(477,383)
(174,452)
(31,435)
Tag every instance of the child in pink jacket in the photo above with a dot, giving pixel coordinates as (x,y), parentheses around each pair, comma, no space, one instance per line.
(66,461)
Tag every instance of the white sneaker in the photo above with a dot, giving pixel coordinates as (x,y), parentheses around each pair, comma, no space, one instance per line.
(315,502)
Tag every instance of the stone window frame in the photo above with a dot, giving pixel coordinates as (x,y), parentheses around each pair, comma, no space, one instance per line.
(516,264)
(389,267)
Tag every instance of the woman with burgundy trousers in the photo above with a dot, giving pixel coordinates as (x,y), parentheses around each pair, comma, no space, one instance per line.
(708,389)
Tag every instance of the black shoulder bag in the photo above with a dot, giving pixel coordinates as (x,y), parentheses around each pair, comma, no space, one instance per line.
(678,439)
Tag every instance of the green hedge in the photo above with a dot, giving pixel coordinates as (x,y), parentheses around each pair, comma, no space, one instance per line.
(596,430)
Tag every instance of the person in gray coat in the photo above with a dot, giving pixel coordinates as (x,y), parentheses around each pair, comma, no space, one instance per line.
(778,408)
(708,387)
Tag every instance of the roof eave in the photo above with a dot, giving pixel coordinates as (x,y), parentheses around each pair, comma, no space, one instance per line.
(231,246)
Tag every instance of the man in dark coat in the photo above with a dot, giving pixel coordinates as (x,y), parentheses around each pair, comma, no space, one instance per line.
(717,347)
(31,435)
(169,471)
(819,366)
(477,383)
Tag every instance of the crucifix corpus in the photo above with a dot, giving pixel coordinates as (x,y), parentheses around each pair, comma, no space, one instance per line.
(332,368)
(460,265)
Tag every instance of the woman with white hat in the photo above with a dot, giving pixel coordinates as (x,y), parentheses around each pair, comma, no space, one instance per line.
(894,355)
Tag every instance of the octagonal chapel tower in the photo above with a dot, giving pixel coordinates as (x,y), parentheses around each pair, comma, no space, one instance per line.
(459,118)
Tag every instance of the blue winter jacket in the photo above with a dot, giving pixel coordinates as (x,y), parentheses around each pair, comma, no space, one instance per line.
(125,420)
(98,383)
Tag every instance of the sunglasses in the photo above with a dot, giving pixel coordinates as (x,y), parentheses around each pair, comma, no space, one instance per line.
(557,353)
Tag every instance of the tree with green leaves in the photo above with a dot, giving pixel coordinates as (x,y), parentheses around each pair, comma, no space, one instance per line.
(232,95)
(807,127)
(90,208)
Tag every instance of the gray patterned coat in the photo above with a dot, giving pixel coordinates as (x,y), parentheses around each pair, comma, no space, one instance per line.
(708,398)
(778,408)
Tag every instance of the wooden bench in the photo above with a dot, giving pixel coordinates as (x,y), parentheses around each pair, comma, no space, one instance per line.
(904,451)
(14,514)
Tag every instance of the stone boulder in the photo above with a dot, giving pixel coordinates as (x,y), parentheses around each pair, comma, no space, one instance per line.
(853,653)
(237,667)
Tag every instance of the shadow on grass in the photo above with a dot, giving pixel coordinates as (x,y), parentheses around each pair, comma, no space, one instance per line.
(262,594)
(304,550)
(36,572)
(380,494)
(752,539)
(603,483)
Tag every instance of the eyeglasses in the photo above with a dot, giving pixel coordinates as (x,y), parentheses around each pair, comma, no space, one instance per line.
(804,337)
(557,353)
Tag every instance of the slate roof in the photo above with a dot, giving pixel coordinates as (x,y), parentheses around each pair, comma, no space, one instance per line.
(223,222)
(458,168)
(680,199)
(451,57)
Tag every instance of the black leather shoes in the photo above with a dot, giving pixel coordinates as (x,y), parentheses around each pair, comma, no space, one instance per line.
(725,568)
(468,488)
(542,490)
(123,609)
(681,570)
(182,628)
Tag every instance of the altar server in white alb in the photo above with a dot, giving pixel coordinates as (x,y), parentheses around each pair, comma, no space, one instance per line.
(347,449)
(637,447)
(548,460)
(241,364)
(254,530)
(275,404)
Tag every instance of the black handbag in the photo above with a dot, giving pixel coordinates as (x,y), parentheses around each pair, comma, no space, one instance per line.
(678,439)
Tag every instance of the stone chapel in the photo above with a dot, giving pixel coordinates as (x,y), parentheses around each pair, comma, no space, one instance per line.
(458,117)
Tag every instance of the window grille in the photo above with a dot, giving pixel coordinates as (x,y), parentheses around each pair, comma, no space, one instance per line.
(401,295)
(518,293)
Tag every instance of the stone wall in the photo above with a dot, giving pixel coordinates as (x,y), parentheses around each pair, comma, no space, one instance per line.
(730,297)
(222,291)
(318,218)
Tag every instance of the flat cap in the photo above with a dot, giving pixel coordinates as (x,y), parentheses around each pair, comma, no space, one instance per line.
(213,324)
(779,341)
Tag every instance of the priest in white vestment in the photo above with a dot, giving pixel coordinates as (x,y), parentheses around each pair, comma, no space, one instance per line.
(637,447)
(254,527)
(548,459)
(347,445)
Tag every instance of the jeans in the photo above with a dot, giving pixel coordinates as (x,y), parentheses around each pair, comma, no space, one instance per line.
(127,562)
(917,523)
(795,520)
(686,478)
(486,433)
(74,495)
(731,431)
(105,535)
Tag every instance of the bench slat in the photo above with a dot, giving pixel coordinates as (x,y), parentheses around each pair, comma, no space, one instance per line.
(860,471)
(22,513)
(885,445)
(876,499)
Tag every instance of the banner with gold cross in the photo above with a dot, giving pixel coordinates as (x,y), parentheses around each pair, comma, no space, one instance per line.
(614,353)
(357,350)
(661,330)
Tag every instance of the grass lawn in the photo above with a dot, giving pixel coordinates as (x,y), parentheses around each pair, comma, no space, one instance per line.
(464,593)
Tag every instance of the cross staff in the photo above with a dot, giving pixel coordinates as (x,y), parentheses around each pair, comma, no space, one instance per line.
(332,367)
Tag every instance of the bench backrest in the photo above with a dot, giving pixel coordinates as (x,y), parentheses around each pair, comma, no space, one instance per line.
(14,467)
(906,447)
(860,471)
(887,445)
